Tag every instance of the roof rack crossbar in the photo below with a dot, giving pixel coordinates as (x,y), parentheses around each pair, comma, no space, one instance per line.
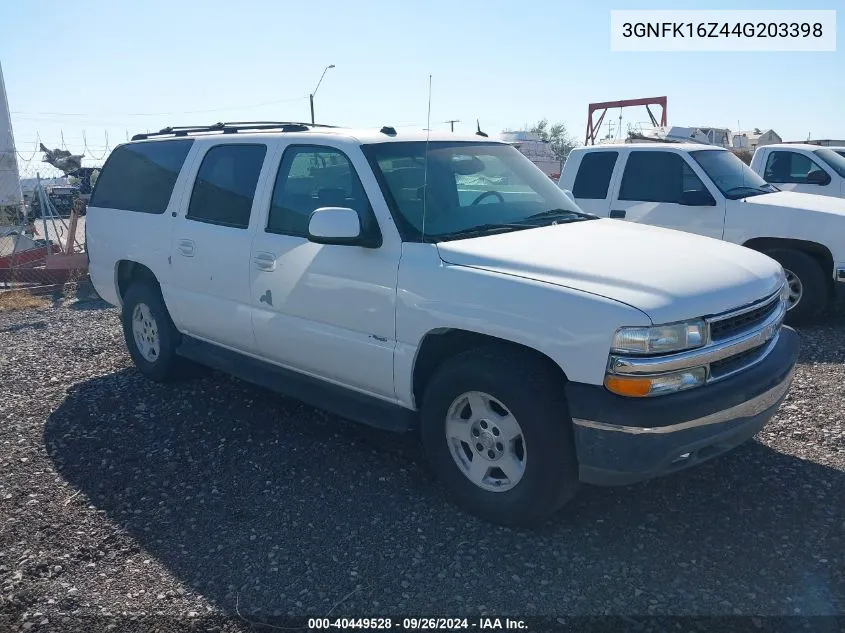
(231,127)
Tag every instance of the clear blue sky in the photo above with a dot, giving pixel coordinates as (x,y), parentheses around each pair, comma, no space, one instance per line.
(117,66)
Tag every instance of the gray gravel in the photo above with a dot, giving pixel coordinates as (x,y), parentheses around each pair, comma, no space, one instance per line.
(120,496)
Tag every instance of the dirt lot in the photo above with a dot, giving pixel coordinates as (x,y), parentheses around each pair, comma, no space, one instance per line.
(212,498)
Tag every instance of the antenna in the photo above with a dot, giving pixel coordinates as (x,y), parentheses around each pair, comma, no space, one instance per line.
(452,122)
(425,172)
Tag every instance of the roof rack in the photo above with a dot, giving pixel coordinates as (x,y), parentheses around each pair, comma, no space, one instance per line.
(232,127)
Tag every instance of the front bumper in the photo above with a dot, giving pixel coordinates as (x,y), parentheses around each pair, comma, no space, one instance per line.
(624,440)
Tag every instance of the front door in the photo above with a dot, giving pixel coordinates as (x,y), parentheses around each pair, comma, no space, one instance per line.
(798,171)
(662,189)
(210,249)
(325,310)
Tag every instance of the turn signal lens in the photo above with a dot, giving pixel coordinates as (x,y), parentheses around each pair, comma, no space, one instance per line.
(644,386)
(625,386)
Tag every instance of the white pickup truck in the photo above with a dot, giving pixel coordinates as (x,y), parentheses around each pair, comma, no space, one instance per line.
(802,167)
(442,284)
(708,190)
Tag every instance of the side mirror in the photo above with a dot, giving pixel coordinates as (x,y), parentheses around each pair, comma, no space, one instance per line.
(335,225)
(698,198)
(818,177)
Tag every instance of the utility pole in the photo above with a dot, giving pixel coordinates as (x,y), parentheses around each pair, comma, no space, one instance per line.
(452,123)
(311,96)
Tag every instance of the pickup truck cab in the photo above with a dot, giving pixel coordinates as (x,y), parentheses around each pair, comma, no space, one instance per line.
(802,167)
(709,191)
(441,284)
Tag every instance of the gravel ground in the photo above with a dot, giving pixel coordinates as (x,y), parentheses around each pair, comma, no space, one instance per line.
(212,497)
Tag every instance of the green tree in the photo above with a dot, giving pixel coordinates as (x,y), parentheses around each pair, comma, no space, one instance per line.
(557,135)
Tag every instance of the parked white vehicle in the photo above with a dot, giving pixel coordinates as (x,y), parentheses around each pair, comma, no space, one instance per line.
(803,168)
(445,285)
(708,190)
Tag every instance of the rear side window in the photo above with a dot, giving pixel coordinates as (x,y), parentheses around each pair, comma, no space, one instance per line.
(141,176)
(225,185)
(594,174)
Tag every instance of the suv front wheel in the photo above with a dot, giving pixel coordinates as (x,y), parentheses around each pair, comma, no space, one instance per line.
(496,429)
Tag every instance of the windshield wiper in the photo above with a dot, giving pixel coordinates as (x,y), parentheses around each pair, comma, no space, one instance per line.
(481,229)
(748,188)
(554,213)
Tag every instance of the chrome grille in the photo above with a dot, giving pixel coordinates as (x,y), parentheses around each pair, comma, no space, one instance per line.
(728,366)
(739,321)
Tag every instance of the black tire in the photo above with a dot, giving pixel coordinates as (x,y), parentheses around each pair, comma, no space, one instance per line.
(533,393)
(167,366)
(815,296)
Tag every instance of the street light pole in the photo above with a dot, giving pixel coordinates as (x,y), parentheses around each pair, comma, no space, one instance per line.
(311,96)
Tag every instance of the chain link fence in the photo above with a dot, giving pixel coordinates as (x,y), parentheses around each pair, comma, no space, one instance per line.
(42,239)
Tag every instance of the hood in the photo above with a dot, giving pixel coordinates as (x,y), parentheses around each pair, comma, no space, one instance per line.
(796,200)
(668,274)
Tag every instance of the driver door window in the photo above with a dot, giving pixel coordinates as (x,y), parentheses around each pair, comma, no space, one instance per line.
(309,178)
(662,189)
(790,168)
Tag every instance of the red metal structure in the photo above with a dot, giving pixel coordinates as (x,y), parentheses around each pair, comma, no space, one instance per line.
(593,128)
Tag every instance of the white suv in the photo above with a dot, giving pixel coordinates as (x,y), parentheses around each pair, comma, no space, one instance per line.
(444,284)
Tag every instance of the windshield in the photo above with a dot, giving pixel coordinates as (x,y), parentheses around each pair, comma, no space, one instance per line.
(731,176)
(834,159)
(473,189)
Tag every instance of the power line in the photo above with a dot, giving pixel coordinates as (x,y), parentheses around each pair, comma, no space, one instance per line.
(118,114)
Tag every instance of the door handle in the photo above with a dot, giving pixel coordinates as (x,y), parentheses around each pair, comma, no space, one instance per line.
(186,247)
(265,262)
(617,213)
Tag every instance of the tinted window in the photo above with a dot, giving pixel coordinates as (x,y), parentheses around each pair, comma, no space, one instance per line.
(310,178)
(225,185)
(789,167)
(594,175)
(140,176)
(657,177)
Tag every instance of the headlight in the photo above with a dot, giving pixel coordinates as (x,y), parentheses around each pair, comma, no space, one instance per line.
(644,386)
(660,339)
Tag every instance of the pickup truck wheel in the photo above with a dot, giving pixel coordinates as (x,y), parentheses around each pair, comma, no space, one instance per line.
(150,334)
(808,291)
(497,432)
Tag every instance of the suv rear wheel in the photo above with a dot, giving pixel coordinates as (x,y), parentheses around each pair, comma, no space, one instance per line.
(150,334)
(497,432)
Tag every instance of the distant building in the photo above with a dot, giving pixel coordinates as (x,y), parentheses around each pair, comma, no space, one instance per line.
(536,150)
(720,136)
(824,142)
(752,139)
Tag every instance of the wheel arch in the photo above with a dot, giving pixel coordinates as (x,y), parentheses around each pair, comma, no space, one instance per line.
(440,344)
(128,271)
(819,252)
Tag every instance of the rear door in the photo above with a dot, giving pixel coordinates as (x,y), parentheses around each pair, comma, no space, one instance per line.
(591,187)
(799,171)
(210,245)
(663,188)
